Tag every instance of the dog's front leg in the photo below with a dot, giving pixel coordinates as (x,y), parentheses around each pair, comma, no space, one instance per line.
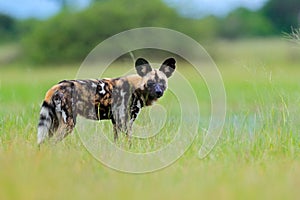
(115,130)
(129,132)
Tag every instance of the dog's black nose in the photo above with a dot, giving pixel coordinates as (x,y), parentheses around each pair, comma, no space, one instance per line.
(159,93)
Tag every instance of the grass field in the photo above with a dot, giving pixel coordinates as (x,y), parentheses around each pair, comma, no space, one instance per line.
(257,156)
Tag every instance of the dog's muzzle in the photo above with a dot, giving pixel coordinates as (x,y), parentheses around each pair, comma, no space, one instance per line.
(158,91)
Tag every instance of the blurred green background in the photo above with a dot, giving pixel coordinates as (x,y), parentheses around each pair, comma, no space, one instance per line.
(69,34)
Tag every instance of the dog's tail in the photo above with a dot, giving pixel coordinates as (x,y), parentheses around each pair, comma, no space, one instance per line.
(48,117)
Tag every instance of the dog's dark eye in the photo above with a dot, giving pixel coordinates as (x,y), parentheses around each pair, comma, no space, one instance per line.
(162,86)
(150,83)
(162,82)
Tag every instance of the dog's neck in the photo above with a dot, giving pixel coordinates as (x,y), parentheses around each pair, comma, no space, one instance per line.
(144,97)
(138,91)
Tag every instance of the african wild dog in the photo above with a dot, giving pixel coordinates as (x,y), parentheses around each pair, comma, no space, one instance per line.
(118,99)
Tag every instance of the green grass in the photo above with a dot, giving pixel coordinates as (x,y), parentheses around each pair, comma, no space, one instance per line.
(257,156)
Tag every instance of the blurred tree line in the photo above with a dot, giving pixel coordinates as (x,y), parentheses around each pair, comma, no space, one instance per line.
(70,35)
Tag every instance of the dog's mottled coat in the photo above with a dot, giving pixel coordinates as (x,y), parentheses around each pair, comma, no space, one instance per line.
(118,99)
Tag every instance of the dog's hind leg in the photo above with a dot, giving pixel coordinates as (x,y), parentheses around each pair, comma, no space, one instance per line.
(115,130)
(66,115)
(65,128)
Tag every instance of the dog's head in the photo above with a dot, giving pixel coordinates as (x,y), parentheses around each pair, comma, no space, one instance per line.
(155,81)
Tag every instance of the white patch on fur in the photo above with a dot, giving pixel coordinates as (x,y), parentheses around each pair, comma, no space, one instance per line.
(94,85)
(139,104)
(102,91)
(57,105)
(64,116)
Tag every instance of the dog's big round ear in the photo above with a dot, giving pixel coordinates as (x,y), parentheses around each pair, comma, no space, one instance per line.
(168,67)
(142,67)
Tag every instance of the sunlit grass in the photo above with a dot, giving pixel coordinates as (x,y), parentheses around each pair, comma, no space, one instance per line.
(257,156)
